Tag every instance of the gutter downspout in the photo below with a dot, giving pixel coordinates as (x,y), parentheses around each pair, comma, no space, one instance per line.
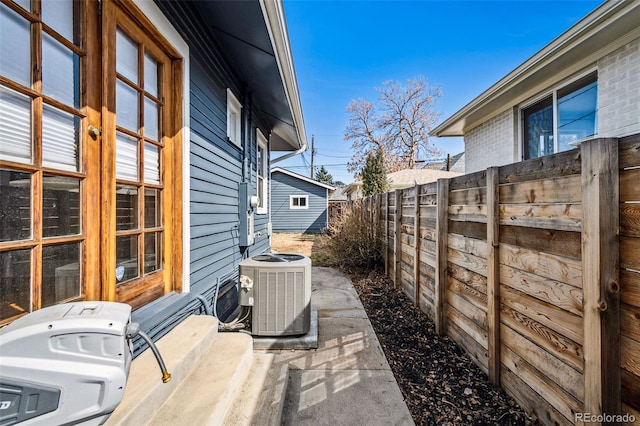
(273,13)
(299,151)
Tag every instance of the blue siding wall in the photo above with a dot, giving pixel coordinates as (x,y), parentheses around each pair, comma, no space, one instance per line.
(312,220)
(216,166)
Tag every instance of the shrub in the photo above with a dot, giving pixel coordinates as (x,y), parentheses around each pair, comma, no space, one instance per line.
(355,241)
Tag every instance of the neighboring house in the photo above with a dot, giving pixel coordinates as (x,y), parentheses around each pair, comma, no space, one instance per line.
(132,137)
(353,191)
(402,179)
(336,201)
(298,204)
(583,84)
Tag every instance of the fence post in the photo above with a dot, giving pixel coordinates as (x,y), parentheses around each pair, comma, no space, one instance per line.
(442,235)
(397,241)
(386,234)
(600,280)
(416,243)
(493,274)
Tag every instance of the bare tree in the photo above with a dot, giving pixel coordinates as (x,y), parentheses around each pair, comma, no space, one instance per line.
(398,125)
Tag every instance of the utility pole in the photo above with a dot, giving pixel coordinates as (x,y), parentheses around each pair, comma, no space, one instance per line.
(313,152)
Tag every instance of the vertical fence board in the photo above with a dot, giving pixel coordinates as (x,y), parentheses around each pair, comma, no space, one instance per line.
(416,243)
(397,242)
(386,234)
(442,231)
(493,274)
(600,188)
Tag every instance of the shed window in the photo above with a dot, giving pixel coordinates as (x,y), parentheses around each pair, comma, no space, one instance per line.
(559,121)
(299,202)
(234,110)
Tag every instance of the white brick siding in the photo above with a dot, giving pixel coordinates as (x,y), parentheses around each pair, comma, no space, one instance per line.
(496,141)
(491,144)
(619,92)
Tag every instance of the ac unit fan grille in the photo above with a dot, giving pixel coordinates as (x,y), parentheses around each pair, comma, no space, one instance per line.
(281,304)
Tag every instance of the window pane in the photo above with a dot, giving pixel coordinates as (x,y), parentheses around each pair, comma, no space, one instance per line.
(538,129)
(15,126)
(576,113)
(60,71)
(126,157)
(151,208)
(60,273)
(126,106)
(152,257)
(151,163)
(126,56)
(59,16)
(15,283)
(150,75)
(15,208)
(60,139)
(126,258)
(151,119)
(60,206)
(15,47)
(261,192)
(126,207)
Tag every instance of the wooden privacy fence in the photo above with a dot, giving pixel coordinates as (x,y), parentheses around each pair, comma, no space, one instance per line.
(534,269)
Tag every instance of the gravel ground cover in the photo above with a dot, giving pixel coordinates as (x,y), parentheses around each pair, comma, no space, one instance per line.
(440,383)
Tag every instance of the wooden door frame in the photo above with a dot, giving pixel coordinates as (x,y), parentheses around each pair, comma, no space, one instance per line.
(172,241)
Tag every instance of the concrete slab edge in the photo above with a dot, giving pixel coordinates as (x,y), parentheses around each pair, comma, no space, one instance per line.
(307,341)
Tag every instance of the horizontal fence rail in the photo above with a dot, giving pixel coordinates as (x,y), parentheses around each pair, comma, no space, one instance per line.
(534,269)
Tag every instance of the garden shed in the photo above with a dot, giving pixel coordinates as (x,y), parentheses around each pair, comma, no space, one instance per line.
(298,203)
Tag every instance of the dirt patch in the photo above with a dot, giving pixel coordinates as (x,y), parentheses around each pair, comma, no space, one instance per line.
(311,245)
(440,383)
(294,243)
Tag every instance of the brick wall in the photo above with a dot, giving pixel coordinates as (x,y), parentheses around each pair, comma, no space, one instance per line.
(619,91)
(496,142)
(491,143)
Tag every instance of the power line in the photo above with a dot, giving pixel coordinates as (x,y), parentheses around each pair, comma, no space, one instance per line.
(321,165)
(334,156)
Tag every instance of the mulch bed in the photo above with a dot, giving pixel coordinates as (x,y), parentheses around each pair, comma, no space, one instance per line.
(440,383)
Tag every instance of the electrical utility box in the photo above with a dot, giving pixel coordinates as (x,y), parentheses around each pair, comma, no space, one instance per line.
(246,205)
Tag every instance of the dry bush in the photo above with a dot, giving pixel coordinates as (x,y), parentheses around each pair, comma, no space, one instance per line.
(355,241)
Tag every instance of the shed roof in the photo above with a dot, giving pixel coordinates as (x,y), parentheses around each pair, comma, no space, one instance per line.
(303,178)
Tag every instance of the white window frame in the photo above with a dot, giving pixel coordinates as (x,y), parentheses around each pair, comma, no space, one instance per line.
(299,197)
(553,93)
(234,119)
(262,172)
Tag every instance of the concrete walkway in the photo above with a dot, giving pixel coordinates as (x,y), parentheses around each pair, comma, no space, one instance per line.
(347,380)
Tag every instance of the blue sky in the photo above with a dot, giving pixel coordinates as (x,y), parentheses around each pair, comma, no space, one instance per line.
(344,49)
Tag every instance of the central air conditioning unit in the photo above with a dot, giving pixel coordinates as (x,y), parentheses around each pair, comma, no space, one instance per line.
(278,288)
